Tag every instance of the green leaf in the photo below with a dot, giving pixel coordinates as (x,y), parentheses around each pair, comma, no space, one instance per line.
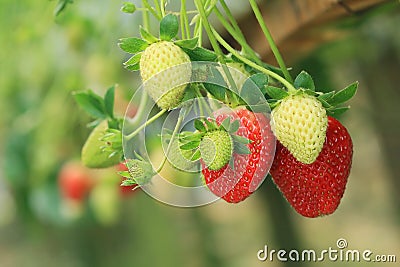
(241,148)
(188,43)
(190,145)
(109,101)
(199,125)
(133,63)
(169,26)
(127,182)
(325,104)
(226,123)
(249,92)
(344,95)
(234,126)
(260,80)
(91,103)
(276,93)
(128,7)
(147,36)
(132,45)
(241,139)
(326,96)
(337,111)
(217,91)
(196,155)
(211,125)
(200,54)
(304,80)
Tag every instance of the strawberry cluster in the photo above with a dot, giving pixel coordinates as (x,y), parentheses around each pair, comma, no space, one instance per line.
(307,152)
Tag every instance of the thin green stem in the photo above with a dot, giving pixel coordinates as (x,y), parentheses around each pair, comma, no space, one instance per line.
(182,22)
(216,48)
(146,19)
(279,78)
(157,7)
(176,129)
(162,6)
(151,9)
(270,40)
(237,35)
(235,31)
(148,122)
(185,18)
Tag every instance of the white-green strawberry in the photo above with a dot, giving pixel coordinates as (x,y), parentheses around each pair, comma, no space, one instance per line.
(216,149)
(165,71)
(299,123)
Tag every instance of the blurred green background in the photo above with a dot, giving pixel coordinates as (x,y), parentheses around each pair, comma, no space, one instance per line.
(43,59)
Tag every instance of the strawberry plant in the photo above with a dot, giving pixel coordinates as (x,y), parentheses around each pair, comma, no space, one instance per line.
(224,112)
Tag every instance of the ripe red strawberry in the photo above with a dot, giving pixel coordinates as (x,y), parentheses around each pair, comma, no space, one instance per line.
(235,185)
(74,181)
(316,189)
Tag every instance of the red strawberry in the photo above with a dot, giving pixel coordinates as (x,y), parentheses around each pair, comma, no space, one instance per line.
(235,185)
(316,189)
(74,181)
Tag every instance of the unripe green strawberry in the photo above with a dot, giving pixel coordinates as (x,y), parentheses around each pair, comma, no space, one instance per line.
(164,59)
(299,123)
(216,149)
(93,155)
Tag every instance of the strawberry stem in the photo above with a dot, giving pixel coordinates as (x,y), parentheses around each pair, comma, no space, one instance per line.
(148,122)
(231,96)
(185,28)
(174,133)
(234,30)
(151,9)
(270,40)
(230,49)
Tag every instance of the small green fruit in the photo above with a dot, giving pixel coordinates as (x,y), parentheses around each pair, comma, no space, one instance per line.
(93,156)
(216,149)
(165,74)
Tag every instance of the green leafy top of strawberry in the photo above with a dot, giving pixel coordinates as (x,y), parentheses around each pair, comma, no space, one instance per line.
(139,172)
(332,101)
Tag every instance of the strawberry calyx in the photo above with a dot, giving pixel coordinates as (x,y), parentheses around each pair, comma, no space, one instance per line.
(332,101)
(139,172)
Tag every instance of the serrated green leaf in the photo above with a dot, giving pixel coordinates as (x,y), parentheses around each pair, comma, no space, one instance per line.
(133,67)
(199,125)
(169,26)
(190,137)
(188,43)
(234,126)
(109,101)
(91,103)
(276,93)
(344,95)
(200,54)
(132,45)
(190,145)
(241,148)
(147,36)
(226,123)
(128,182)
(304,80)
(128,7)
(241,139)
(133,64)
